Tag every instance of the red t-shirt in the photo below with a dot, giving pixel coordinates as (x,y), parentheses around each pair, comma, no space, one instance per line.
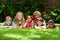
(35,19)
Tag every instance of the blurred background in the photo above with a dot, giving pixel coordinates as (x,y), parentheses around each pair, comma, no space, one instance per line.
(50,9)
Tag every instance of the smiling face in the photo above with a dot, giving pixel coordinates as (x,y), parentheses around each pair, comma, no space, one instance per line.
(51,25)
(8,22)
(29,18)
(37,15)
(40,23)
(20,16)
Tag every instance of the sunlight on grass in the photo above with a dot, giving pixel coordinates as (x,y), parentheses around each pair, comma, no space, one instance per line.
(1,29)
(55,36)
(16,36)
(29,34)
(13,36)
(47,33)
(22,37)
(35,36)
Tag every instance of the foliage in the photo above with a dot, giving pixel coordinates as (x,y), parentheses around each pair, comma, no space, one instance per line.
(11,7)
(53,14)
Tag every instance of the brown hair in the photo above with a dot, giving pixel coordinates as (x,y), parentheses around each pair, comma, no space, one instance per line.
(30,16)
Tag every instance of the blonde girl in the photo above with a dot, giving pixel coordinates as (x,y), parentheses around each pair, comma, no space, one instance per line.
(19,20)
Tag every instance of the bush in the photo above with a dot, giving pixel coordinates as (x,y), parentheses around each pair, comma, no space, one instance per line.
(11,7)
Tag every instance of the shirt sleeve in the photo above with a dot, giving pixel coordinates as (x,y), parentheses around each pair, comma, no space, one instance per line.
(12,23)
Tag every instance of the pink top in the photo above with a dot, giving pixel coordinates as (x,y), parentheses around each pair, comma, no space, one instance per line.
(29,24)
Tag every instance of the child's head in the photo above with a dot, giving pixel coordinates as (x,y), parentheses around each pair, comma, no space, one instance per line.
(19,15)
(40,21)
(37,14)
(29,18)
(51,23)
(8,20)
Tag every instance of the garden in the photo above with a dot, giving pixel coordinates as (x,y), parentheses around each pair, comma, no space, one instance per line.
(11,7)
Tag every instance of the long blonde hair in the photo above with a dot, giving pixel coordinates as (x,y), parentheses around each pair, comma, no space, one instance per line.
(16,18)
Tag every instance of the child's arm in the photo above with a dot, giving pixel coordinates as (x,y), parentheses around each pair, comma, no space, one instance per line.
(32,24)
(15,26)
(43,27)
(2,26)
(36,27)
(24,25)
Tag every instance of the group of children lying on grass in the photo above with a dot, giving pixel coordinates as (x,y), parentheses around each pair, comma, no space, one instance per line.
(19,22)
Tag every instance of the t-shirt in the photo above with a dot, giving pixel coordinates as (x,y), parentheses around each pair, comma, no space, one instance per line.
(5,24)
(29,24)
(35,19)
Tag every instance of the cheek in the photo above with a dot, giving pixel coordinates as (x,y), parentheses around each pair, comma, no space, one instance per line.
(37,16)
(29,19)
(51,25)
(19,18)
(8,22)
(40,23)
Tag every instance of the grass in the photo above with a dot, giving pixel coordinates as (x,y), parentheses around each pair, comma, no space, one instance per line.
(57,25)
(29,34)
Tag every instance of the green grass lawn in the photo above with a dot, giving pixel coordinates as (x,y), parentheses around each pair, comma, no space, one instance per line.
(29,34)
(57,24)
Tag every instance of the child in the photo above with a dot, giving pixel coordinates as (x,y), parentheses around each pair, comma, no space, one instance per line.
(39,24)
(51,24)
(8,22)
(19,20)
(29,23)
(37,15)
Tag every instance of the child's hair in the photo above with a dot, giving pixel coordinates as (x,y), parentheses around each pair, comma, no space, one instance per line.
(40,19)
(51,21)
(37,12)
(16,18)
(8,18)
(30,16)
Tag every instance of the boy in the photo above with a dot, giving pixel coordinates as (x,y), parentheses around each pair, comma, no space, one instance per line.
(39,24)
(8,22)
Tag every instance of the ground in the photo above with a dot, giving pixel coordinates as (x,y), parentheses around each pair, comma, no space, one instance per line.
(29,34)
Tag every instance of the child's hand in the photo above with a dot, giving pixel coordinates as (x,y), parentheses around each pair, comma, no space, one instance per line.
(43,27)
